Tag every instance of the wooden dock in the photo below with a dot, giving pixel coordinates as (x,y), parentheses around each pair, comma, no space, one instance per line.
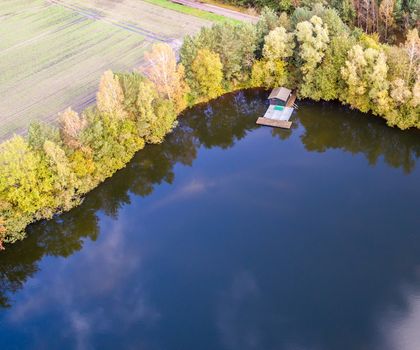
(272,117)
(285,124)
(291,100)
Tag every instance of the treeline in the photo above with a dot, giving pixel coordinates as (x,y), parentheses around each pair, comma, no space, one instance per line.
(312,50)
(386,17)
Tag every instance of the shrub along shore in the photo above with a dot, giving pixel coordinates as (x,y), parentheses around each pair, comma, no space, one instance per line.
(312,50)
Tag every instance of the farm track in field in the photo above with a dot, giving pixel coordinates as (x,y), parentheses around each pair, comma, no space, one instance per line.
(53,52)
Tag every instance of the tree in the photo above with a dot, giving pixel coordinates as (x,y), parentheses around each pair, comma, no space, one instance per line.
(346,10)
(246,37)
(182,91)
(272,69)
(206,38)
(386,14)
(412,48)
(2,233)
(110,96)
(165,120)
(235,45)
(208,74)
(268,21)
(278,45)
(365,73)
(39,132)
(416,96)
(284,21)
(408,13)
(146,115)
(269,74)
(161,68)
(130,86)
(156,116)
(328,83)
(367,15)
(25,179)
(331,20)
(301,14)
(400,92)
(313,39)
(82,164)
(71,127)
(63,179)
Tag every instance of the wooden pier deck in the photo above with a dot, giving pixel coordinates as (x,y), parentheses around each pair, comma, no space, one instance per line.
(285,124)
(277,122)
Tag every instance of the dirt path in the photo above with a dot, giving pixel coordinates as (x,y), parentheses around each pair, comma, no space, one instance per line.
(218,10)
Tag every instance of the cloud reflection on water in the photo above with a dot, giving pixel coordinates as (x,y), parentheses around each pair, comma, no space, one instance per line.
(400,328)
(97,275)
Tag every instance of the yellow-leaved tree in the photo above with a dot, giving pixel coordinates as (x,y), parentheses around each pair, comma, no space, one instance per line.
(208,74)
(110,96)
(169,77)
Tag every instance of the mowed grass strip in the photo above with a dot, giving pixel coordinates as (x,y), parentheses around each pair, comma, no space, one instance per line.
(52,56)
(193,11)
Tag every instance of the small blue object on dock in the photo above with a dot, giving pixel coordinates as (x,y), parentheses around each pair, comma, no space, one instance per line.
(281,108)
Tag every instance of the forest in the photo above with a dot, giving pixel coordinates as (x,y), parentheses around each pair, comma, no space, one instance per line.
(386,17)
(310,49)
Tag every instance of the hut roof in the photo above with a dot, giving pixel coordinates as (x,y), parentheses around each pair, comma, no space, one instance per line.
(280,93)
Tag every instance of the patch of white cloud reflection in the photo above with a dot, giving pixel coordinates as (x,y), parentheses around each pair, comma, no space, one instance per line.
(95,297)
(400,326)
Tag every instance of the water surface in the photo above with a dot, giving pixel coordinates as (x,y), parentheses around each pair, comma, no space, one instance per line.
(232,236)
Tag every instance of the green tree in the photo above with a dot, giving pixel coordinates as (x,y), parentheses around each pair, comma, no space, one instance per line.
(313,39)
(130,83)
(63,179)
(146,96)
(328,82)
(268,21)
(345,9)
(39,132)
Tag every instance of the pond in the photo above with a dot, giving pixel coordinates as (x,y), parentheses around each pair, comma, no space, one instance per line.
(233,236)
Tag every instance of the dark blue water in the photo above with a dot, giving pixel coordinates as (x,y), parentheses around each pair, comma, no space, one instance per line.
(232,236)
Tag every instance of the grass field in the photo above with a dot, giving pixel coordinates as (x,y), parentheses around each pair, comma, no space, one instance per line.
(192,11)
(53,52)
